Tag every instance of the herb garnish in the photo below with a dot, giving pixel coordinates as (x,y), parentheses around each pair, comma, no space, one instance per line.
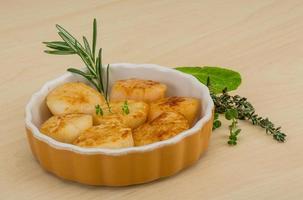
(125,108)
(246,111)
(233,107)
(70,45)
(99,110)
(232,114)
(217,123)
(221,78)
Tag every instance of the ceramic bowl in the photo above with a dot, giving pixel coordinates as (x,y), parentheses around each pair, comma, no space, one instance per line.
(126,166)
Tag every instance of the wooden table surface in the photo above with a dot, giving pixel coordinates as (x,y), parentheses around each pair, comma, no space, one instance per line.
(260,39)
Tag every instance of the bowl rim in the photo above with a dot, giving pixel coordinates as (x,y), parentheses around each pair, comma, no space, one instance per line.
(115,152)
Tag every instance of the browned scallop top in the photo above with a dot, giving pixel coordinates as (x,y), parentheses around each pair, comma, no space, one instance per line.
(175,103)
(171,101)
(76,97)
(75,93)
(137,110)
(139,106)
(55,123)
(165,126)
(110,130)
(136,83)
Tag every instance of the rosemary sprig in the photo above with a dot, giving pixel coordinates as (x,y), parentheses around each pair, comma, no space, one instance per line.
(244,111)
(70,45)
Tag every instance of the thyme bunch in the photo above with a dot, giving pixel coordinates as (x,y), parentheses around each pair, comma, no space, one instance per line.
(242,109)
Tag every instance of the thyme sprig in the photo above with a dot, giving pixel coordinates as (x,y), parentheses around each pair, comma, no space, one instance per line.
(70,45)
(217,123)
(232,114)
(244,111)
(125,108)
(99,110)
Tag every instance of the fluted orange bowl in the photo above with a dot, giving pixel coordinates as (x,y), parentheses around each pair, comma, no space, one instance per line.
(125,166)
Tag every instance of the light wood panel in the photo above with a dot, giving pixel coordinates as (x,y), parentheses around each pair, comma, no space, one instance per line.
(260,39)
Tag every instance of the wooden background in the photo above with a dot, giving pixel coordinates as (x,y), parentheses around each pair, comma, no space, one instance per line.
(262,39)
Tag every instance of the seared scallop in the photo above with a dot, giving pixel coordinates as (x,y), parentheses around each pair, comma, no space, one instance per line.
(73,97)
(165,126)
(137,89)
(66,128)
(189,107)
(132,113)
(110,133)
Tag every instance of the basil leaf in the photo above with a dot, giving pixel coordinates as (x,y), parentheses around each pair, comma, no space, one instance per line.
(220,78)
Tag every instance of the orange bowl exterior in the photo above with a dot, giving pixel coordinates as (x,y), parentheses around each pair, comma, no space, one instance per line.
(125,169)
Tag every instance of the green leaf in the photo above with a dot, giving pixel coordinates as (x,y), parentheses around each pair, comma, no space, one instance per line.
(65,33)
(228,116)
(56,44)
(231,114)
(84,59)
(89,77)
(107,80)
(68,41)
(125,108)
(77,71)
(220,78)
(237,131)
(94,42)
(99,110)
(71,39)
(232,142)
(99,69)
(54,47)
(87,47)
(59,52)
(217,124)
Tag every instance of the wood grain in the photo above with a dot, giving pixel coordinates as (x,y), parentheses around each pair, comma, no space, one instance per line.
(261,39)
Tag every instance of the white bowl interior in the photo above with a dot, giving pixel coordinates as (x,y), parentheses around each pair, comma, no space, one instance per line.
(179,84)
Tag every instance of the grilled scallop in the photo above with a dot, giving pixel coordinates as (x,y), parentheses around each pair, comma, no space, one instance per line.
(110,133)
(137,113)
(189,107)
(66,128)
(136,89)
(73,97)
(165,126)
